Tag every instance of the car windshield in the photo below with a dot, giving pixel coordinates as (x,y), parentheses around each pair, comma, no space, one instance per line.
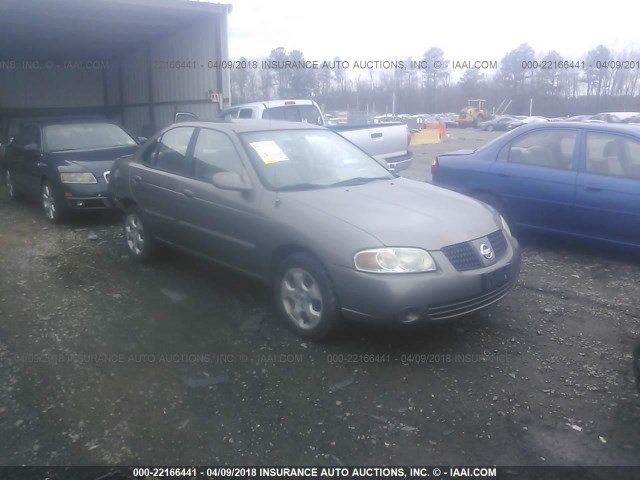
(85,136)
(310,159)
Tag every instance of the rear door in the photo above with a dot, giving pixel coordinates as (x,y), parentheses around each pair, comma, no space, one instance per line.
(608,187)
(536,178)
(222,224)
(157,182)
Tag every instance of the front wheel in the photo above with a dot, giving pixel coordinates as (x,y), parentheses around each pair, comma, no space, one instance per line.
(490,128)
(140,243)
(54,210)
(305,297)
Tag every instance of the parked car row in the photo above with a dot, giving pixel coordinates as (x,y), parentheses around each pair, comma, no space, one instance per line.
(509,122)
(294,205)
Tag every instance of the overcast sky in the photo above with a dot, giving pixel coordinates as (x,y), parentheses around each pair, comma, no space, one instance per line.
(464,29)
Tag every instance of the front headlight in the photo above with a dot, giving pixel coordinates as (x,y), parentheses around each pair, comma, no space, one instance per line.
(394,260)
(78,178)
(505,226)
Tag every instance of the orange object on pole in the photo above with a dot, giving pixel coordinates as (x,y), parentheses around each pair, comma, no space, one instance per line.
(442,127)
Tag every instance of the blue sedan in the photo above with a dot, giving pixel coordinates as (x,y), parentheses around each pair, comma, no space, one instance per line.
(576,179)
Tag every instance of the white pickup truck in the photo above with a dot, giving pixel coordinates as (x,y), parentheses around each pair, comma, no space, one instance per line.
(388,142)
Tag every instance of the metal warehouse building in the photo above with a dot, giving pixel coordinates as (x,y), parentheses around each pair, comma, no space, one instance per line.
(136,62)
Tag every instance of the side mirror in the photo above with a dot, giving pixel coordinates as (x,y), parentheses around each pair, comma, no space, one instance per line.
(231,181)
(142,140)
(32,147)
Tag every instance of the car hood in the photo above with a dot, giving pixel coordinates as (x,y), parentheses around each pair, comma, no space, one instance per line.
(404,212)
(94,161)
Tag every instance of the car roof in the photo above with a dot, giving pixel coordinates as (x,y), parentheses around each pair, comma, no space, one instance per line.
(620,114)
(244,126)
(66,121)
(274,103)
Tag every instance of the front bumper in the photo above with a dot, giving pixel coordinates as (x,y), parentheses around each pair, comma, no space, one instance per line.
(402,162)
(90,196)
(446,293)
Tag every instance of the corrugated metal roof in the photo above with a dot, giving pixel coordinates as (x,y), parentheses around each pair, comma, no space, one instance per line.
(67,29)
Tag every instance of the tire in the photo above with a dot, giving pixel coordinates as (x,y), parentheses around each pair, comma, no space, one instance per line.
(479,119)
(11,189)
(490,128)
(54,210)
(305,297)
(138,239)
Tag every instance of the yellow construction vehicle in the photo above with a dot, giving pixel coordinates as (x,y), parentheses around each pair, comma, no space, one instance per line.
(473,113)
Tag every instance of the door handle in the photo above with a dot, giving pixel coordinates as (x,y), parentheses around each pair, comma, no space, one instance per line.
(188,193)
(592,189)
(137,179)
(503,175)
(376,135)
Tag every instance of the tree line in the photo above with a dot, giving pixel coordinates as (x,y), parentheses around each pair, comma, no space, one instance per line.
(601,80)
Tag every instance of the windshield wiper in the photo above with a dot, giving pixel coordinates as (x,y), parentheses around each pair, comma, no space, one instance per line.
(300,186)
(357,181)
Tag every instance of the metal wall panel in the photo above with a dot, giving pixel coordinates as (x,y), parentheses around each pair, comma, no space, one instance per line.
(135,77)
(136,119)
(197,44)
(50,88)
(112,78)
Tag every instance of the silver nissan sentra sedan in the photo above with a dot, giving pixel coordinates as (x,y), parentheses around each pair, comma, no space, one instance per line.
(302,209)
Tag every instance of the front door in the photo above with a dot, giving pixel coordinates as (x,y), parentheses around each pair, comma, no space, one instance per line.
(221,224)
(538,178)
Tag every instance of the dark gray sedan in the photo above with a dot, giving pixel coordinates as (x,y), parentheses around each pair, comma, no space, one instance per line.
(65,164)
(327,226)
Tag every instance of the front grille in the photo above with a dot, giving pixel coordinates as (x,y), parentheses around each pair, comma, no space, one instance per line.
(471,304)
(462,256)
(498,243)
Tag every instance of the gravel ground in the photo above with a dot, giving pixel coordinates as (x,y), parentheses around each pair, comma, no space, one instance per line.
(104,361)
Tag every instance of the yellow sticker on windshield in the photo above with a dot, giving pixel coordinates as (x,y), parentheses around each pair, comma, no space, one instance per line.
(269,151)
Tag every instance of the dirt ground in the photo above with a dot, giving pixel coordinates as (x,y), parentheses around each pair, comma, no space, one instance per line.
(103,361)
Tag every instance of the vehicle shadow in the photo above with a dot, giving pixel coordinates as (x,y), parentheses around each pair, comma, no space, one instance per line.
(78,219)
(590,249)
(424,335)
(354,336)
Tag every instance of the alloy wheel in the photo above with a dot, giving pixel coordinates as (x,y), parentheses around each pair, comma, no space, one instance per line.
(301,298)
(134,233)
(49,202)
(9,183)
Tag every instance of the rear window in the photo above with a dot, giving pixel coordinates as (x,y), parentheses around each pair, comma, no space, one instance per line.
(86,136)
(246,113)
(295,113)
